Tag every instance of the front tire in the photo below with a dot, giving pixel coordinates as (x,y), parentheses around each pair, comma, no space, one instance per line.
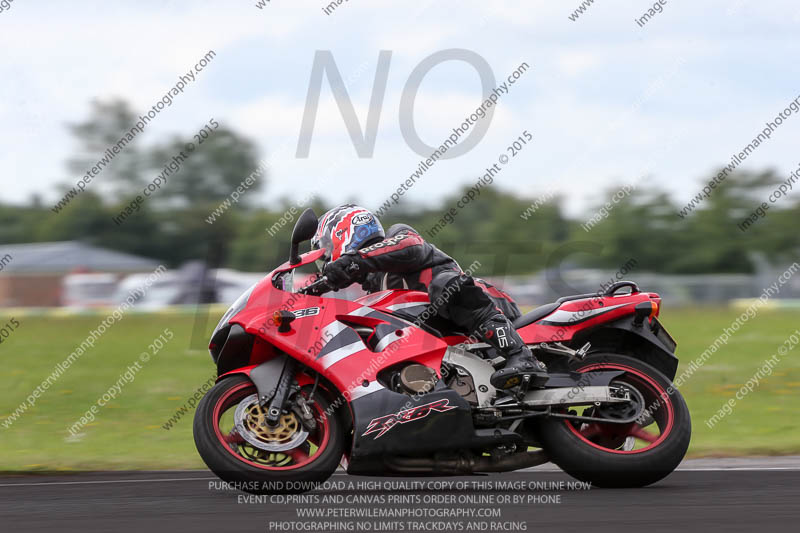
(256,470)
(623,455)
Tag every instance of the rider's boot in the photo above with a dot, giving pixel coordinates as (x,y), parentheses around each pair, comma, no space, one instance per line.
(498,332)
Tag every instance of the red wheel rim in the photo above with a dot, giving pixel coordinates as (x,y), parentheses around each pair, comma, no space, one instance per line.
(300,458)
(664,416)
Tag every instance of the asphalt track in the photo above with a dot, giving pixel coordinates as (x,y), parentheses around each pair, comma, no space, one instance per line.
(718,495)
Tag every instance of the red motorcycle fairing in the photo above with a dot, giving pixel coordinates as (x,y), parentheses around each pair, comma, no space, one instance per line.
(390,301)
(606,322)
(576,316)
(323,335)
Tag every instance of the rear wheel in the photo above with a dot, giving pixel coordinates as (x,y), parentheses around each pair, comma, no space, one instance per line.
(632,454)
(232,437)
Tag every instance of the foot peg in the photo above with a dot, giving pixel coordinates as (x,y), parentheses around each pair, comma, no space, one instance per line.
(556,348)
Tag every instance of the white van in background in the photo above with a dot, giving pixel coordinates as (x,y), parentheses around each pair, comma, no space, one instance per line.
(83,291)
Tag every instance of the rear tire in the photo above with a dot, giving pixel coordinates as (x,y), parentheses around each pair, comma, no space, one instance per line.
(262,472)
(599,454)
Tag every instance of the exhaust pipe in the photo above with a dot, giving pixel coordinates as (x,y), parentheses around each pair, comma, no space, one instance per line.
(465,465)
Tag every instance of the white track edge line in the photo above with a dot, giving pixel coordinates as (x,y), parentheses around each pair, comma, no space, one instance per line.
(108,481)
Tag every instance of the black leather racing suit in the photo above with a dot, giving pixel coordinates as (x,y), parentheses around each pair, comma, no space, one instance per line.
(404,260)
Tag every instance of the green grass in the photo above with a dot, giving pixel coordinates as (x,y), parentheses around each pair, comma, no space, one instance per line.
(765,420)
(128,432)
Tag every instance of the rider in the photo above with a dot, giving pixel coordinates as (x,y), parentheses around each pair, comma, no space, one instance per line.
(402,259)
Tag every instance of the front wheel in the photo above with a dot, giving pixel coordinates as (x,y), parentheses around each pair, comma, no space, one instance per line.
(234,440)
(633,454)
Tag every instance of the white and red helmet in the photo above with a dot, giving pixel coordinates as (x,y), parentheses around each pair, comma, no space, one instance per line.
(345,229)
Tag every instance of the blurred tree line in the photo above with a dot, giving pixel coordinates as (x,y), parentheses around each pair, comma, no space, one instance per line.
(171,225)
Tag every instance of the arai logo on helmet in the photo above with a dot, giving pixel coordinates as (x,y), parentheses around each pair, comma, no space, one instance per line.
(361,219)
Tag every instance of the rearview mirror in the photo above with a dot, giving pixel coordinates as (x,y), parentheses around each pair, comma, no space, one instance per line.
(304,229)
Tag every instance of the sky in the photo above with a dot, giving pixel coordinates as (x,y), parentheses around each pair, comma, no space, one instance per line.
(607,102)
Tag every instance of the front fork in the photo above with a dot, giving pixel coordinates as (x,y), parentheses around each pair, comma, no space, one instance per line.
(282,390)
(275,382)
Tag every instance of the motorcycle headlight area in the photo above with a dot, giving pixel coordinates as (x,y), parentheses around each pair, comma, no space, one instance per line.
(220,332)
(235,307)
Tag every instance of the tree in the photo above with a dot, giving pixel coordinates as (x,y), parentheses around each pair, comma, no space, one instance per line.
(108,123)
(211,172)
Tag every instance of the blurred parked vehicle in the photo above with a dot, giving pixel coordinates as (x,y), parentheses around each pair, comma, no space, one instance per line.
(190,285)
(89,290)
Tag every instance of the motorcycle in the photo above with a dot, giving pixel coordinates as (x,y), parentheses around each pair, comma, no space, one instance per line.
(382,386)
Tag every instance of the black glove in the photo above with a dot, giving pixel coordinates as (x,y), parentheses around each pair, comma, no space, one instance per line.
(344,271)
(371,283)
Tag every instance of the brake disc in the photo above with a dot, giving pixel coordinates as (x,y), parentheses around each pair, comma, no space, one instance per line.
(250,420)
